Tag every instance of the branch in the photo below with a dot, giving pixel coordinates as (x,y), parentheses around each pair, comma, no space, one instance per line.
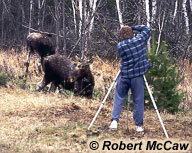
(86,26)
(42,4)
(74,47)
(160,31)
(119,13)
(41,31)
(52,14)
(111,35)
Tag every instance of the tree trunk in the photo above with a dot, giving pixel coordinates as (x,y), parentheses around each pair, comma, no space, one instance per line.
(57,22)
(74,16)
(23,13)
(93,7)
(82,27)
(190,3)
(186,17)
(148,21)
(40,6)
(147,12)
(81,18)
(154,10)
(175,10)
(43,15)
(83,38)
(119,13)
(160,31)
(38,17)
(30,15)
(64,29)
(2,25)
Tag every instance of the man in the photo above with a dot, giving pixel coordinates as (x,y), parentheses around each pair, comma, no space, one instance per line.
(133,66)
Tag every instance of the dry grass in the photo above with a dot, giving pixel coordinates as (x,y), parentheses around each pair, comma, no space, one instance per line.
(186,85)
(38,122)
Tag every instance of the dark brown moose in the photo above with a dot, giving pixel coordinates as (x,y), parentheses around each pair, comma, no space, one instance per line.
(66,74)
(42,44)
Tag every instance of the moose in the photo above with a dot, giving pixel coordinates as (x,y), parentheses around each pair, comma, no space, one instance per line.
(63,73)
(42,44)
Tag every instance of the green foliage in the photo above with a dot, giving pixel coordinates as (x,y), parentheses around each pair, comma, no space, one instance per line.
(164,78)
(3,79)
(68,92)
(21,83)
(96,93)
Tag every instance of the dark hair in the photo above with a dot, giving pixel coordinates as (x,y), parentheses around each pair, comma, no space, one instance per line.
(126,32)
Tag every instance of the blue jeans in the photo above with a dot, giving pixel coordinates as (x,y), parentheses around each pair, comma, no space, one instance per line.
(121,93)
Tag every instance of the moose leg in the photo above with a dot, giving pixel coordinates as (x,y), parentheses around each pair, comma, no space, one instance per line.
(61,89)
(27,60)
(44,82)
(53,86)
(39,64)
(76,88)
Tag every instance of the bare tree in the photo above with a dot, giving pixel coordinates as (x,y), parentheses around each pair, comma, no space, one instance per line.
(43,14)
(147,12)
(57,23)
(72,22)
(148,21)
(74,15)
(40,6)
(93,9)
(64,29)
(175,10)
(81,14)
(161,25)
(154,10)
(119,13)
(31,14)
(82,25)
(2,23)
(190,3)
(186,16)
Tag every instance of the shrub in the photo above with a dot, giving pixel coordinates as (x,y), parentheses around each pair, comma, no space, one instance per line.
(3,79)
(164,78)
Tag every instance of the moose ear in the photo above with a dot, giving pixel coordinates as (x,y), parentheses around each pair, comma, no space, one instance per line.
(80,66)
(77,58)
(90,61)
(77,68)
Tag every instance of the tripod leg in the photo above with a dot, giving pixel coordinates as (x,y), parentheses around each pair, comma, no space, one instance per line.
(154,104)
(104,100)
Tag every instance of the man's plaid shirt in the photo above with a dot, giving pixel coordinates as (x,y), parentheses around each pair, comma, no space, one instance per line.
(133,52)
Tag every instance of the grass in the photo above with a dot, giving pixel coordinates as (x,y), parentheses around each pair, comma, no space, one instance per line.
(39,122)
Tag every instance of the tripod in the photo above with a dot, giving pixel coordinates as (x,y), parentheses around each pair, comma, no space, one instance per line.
(151,96)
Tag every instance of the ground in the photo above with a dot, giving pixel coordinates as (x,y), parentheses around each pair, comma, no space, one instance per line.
(38,122)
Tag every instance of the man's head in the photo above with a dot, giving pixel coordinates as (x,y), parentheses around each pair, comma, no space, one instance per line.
(126,32)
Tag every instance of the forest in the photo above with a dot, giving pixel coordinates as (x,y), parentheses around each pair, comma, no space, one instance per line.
(88,31)
(91,27)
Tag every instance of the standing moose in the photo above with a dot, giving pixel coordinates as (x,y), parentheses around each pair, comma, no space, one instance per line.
(42,44)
